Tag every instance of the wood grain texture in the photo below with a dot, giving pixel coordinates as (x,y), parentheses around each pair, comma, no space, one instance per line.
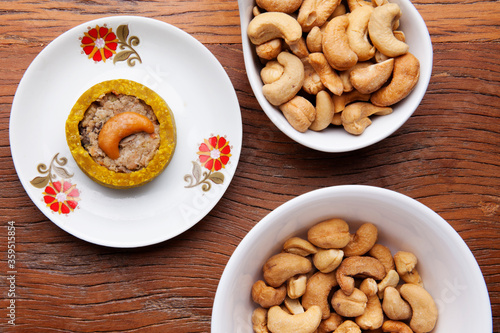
(446,156)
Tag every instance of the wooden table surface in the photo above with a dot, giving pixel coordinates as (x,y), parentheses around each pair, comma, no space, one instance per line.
(446,156)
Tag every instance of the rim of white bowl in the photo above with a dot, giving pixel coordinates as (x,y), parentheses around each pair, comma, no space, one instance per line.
(439,224)
(311,139)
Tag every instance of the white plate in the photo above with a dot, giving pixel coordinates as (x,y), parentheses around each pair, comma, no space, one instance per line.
(178,68)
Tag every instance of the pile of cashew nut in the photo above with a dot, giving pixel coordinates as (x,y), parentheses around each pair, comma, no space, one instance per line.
(329,63)
(335,281)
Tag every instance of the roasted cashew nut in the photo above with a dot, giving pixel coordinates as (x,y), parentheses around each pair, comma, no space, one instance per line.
(271,25)
(259,320)
(369,79)
(271,72)
(355,116)
(335,44)
(317,291)
(299,246)
(290,82)
(391,280)
(329,234)
(269,50)
(314,13)
(119,127)
(288,6)
(357,265)
(279,321)
(267,296)
(363,240)
(380,30)
(296,286)
(312,81)
(405,265)
(424,308)
(327,74)
(352,305)
(373,317)
(395,327)
(384,255)
(324,111)
(282,266)
(405,76)
(299,112)
(330,324)
(357,33)
(327,260)
(394,306)
(340,102)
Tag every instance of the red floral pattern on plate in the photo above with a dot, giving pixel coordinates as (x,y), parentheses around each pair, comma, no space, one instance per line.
(99,43)
(213,154)
(60,196)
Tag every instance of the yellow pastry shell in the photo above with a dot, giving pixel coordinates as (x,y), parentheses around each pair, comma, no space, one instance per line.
(103,175)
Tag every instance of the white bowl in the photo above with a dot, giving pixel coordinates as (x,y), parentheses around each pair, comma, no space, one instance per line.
(336,139)
(448,268)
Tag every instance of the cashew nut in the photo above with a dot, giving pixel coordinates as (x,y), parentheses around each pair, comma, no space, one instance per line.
(395,327)
(269,50)
(373,317)
(363,240)
(328,76)
(405,76)
(384,255)
(335,44)
(314,13)
(287,86)
(259,320)
(300,48)
(299,112)
(405,265)
(312,82)
(352,305)
(271,72)
(288,6)
(317,291)
(391,280)
(369,287)
(299,246)
(327,260)
(380,29)
(293,305)
(354,4)
(296,286)
(283,266)
(330,234)
(267,296)
(369,79)
(119,127)
(355,116)
(357,265)
(278,321)
(324,111)
(348,326)
(424,308)
(270,25)
(313,40)
(340,102)
(357,33)
(394,306)
(330,324)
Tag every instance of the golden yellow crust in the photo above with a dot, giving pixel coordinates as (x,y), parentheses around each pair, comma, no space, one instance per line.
(101,174)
